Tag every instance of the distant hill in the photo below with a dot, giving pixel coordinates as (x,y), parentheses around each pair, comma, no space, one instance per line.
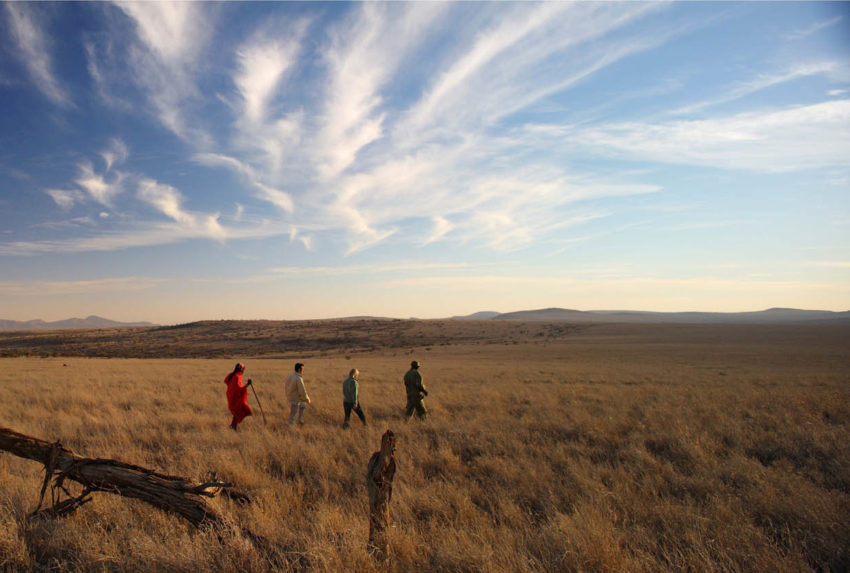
(88,322)
(769,316)
(483,315)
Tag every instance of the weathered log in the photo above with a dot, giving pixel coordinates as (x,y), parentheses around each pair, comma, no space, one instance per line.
(379,482)
(63,508)
(174,494)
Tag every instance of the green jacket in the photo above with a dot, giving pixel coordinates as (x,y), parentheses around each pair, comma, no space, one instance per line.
(413,384)
(350,391)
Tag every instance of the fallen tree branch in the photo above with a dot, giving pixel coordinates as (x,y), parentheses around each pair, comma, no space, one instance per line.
(178,495)
(64,508)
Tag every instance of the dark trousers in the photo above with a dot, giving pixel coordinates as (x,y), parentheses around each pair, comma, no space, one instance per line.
(349,406)
(415,405)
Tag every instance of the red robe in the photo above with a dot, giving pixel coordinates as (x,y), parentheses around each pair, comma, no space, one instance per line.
(237,398)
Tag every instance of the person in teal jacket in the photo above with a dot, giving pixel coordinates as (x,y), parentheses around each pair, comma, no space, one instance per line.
(415,393)
(351,397)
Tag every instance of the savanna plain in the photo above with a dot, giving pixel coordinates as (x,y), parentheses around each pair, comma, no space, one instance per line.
(549,447)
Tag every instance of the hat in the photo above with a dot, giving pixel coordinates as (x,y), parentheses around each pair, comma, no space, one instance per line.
(415,364)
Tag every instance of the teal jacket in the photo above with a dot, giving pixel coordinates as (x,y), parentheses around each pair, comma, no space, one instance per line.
(350,391)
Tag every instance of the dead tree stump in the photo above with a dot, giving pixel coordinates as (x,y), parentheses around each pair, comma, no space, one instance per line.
(379,482)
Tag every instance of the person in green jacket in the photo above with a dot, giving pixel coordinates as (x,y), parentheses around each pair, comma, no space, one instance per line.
(351,397)
(415,393)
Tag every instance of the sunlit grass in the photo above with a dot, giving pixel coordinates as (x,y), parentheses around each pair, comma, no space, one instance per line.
(616,453)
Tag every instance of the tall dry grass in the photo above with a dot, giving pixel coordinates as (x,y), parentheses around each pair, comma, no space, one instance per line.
(613,451)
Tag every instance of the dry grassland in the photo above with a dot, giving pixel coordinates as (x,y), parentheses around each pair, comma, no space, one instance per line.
(612,448)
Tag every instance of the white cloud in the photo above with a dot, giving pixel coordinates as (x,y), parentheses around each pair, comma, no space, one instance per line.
(442,226)
(263,65)
(163,62)
(55,288)
(440,161)
(116,154)
(763,81)
(364,54)
(221,160)
(104,71)
(368,238)
(504,208)
(813,29)
(34,48)
(280,199)
(527,54)
(166,199)
(339,147)
(796,138)
(146,234)
(267,128)
(174,31)
(97,186)
(169,200)
(65,198)
(370,180)
(277,197)
(305,240)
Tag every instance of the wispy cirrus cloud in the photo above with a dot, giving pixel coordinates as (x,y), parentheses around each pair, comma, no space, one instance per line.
(169,200)
(145,234)
(372,269)
(164,198)
(762,82)
(441,226)
(813,29)
(366,126)
(266,130)
(500,72)
(170,38)
(34,48)
(507,208)
(277,197)
(53,288)
(801,137)
(262,65)
(101,187)
(347,160)
(65,198)
(363,55)
(174,31)
(432,157)
(116,154)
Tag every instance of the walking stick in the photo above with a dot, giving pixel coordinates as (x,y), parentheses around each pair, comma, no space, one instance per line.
(258,402)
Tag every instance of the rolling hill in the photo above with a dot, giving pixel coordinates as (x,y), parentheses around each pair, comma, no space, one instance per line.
(769,316)
(88,322)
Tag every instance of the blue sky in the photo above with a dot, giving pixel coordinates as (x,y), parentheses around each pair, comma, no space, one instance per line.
(179,162)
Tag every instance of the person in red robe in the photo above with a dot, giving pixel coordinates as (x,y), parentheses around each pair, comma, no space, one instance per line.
(237,396)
